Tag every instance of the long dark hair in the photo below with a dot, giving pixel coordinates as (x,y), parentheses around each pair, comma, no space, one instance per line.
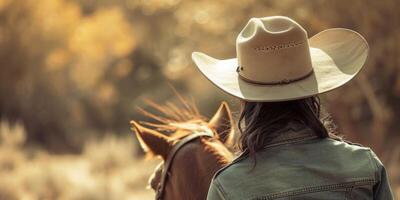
(259,120)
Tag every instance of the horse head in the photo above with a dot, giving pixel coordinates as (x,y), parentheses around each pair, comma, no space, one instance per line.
(192,167)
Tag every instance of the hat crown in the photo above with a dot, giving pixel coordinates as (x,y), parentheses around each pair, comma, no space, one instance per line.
(273,50)
(270,25)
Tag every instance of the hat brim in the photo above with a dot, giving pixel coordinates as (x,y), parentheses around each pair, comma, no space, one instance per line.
(337,56)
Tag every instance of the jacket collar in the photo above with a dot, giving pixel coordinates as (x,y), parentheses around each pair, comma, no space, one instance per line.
(293,132)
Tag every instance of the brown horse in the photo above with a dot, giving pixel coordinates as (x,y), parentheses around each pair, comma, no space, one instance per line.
(194,165)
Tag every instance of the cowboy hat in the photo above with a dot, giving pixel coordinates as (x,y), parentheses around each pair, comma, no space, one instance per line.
(276,61)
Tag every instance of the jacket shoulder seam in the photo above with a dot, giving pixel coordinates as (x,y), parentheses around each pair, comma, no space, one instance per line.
(239,158)
(374,164)
(313,189)
(220,189)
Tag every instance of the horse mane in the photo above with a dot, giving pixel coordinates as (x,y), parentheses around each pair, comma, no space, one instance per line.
(183,115)
(179,120)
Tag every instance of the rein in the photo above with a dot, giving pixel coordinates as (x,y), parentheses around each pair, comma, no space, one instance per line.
(171,155)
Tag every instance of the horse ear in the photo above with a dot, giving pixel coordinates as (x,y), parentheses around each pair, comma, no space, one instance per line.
(222,123)
(152,141)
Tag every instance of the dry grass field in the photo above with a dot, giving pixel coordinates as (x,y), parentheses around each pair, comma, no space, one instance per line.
(105,170)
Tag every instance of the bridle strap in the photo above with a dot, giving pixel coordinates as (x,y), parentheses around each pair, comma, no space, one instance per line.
(174,150)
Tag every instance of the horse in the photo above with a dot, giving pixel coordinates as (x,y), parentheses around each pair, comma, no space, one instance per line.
(186,171)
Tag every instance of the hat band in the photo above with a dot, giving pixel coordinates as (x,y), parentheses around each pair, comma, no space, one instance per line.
(282,82)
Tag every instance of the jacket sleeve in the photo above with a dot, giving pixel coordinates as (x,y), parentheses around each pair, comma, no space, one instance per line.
(214,192)
(382,188)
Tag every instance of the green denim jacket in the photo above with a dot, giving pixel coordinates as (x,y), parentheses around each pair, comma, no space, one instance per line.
(299,165)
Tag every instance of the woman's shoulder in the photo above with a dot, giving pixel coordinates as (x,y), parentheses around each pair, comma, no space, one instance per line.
(240,159)
(338,150)
(345,147)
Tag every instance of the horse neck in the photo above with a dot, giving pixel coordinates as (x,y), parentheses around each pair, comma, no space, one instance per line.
(192,173)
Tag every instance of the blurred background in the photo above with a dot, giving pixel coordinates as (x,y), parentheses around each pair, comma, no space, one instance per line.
(73,72)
